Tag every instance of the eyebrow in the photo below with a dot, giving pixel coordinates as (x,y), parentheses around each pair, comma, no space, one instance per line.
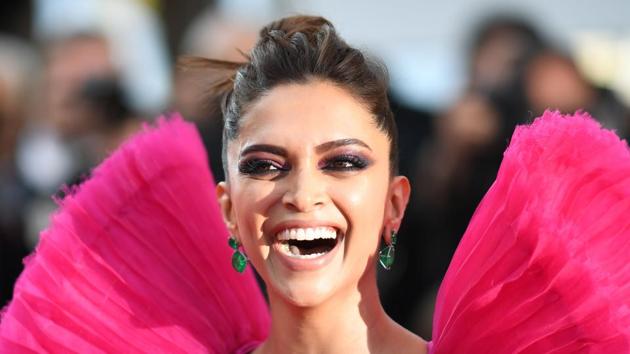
(280,151)
(272,149)
(340,142)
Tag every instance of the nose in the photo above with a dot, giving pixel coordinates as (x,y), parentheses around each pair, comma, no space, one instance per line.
(305,191)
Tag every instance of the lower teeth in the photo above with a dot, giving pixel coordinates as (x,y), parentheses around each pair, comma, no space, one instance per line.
(306,256)
(294,251)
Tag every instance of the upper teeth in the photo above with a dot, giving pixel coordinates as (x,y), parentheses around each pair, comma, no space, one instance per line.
(310,233)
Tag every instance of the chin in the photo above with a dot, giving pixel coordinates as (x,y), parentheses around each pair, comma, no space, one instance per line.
(306,292)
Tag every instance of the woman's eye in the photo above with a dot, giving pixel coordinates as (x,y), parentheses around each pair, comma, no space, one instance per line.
(345,163)
(260,167)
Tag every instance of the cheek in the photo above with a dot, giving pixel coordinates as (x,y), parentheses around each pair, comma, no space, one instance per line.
(363,200)
(251,201)
(369,188)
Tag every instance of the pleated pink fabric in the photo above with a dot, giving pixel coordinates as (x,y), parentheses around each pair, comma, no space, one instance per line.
(544,266)
(136,261)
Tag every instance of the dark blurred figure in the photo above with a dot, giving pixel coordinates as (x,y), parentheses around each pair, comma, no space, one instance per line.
(18,64)
(83,96)
(514,75)
(458,163)
(501,50)
(16,18)
(553,81)
(83,115)
(15,58)
(176,16)
(84,100)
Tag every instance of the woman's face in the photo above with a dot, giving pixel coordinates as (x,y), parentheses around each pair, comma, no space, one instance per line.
(309,191)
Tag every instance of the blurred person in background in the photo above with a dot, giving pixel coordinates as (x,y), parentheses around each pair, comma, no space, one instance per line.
(105,66)
(18,64)
(135,42)
(85,102)
(459,162)
(102,69)
(553,80)
(83,115)
(514,75)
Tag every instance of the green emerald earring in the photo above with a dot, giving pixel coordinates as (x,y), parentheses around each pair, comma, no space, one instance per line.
(239,260)
(386,255)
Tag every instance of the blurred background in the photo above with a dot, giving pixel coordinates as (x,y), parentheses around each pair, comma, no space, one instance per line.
(78,76)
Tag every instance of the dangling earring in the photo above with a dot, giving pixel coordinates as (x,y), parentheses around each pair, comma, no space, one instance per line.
(386,255)
(239,260)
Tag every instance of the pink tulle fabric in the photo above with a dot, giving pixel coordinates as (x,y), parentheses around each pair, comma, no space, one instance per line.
(136,261)
(544,266)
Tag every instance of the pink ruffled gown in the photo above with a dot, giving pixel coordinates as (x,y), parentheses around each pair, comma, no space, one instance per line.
(544,266)
(137,261)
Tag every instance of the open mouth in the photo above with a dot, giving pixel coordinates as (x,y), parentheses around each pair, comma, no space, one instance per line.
(306,243)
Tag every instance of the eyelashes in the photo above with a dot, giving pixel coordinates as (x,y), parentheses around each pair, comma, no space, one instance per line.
(259,167)
(268,167)
(345,162)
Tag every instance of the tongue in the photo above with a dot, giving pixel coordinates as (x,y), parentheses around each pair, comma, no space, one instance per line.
(303,248)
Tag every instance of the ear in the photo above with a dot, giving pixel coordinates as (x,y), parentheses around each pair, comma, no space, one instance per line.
(398,197)
(225,203)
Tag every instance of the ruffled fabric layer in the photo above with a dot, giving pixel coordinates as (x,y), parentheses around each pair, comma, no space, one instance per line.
(136,261)
(544,266)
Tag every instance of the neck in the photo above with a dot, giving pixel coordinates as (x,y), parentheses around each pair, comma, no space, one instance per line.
(351,321)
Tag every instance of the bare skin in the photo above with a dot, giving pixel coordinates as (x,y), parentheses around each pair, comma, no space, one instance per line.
(354,323)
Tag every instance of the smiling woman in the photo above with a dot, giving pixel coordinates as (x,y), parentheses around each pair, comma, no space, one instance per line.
(136,259)
(311,190)
(310,199)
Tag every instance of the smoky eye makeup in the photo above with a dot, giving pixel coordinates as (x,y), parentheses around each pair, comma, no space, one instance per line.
(257,166)
(345,161)
(261,160)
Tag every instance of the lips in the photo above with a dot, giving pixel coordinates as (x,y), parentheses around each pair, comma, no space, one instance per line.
(302,246)
(307,243)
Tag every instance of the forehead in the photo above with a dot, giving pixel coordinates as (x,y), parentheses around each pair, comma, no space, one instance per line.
(313,112)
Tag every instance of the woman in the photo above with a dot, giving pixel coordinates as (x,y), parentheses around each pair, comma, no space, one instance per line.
(311,193)
(311,188)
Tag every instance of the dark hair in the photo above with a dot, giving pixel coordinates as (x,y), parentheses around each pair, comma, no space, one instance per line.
(298,49)
(527,40)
